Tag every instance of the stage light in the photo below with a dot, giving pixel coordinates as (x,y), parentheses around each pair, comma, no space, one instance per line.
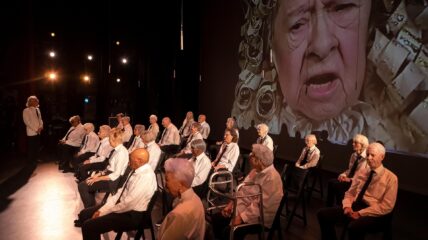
(86,100)
(52,54)
(52,34)
(117,43)
(52,76)
(90,57)
(118,80)
(86,78)
(124,60)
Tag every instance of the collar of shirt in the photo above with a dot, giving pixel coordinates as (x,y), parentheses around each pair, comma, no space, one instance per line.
(118,147)
(150,144)
(186,195)
(200,156)
(379,170)
(104,140)
(143,168)
(312,148)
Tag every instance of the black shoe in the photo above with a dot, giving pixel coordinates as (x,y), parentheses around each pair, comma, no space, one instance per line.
(67,170)
(78,223)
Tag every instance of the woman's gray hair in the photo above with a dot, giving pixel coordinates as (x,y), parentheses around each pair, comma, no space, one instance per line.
(105,128)
(263,153)
(198,144)
(182,169)
(360,138)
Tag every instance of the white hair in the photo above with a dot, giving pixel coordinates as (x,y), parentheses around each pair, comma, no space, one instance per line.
(263,153)
(30,98)
(154,117)
(182,169)
(89,126)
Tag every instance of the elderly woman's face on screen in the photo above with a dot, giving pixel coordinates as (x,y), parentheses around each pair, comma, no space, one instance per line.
(319,51)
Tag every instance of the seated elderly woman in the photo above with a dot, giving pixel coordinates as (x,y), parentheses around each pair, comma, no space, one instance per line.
(310,154)
(247,210)
(187,219)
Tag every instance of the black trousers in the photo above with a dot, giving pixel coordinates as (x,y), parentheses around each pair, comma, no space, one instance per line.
(80,159)
(87,192)
(357,229)
(84,169)
(33,149)
(93,228)
(66,154)
(336,191)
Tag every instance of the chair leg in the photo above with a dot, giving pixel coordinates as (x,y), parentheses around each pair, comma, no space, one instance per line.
(118,236)
(152,232)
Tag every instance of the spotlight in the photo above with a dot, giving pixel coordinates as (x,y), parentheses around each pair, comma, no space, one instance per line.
(90,57)
(52,34)
(124,60)
(52,76)
(86,78)
(117,43)
(118,80)
(52,54)
(86,100)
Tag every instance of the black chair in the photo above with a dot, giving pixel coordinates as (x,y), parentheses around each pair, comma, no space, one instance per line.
(276,225)
(316,176)
(159,171)
(146,221)
(295,183)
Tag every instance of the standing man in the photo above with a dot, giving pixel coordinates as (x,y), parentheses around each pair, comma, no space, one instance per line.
(34,125)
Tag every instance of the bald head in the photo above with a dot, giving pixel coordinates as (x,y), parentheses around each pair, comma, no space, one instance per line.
(138,158)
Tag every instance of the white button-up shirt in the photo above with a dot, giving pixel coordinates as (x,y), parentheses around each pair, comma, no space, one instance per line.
(127,133)
(205,130)
(136,143)
(202,168)
(136,194)
(75,136)
(90,143)
(118,162)
(170,136)
(230,157)
(154,154)
(103,151)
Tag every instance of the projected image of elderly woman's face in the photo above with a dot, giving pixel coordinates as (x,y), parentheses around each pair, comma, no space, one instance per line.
(319,49)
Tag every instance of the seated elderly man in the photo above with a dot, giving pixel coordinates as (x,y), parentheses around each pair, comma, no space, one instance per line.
(310,154)
(247,211)
(170,138)
(200,161)
(368,202)
(187,219)
(107,180)
(154,150)
(89,147)
(195,135)
(136,141)
(229,152)
(127,130)
(264,138)
(123,210)
(153,127)
(338,186)
(70,144)
(99,161)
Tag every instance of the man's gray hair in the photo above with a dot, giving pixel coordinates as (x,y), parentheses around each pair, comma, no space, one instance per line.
(89,126)
(105,128)
(154,117)
(140,128)
(126,118)
(30,98)
(182,169)
(263,153)
(197,126)
(75,117)
(148,136)
(198,144)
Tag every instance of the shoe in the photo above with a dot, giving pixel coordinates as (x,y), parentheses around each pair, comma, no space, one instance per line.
(78,223)
(67,170)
